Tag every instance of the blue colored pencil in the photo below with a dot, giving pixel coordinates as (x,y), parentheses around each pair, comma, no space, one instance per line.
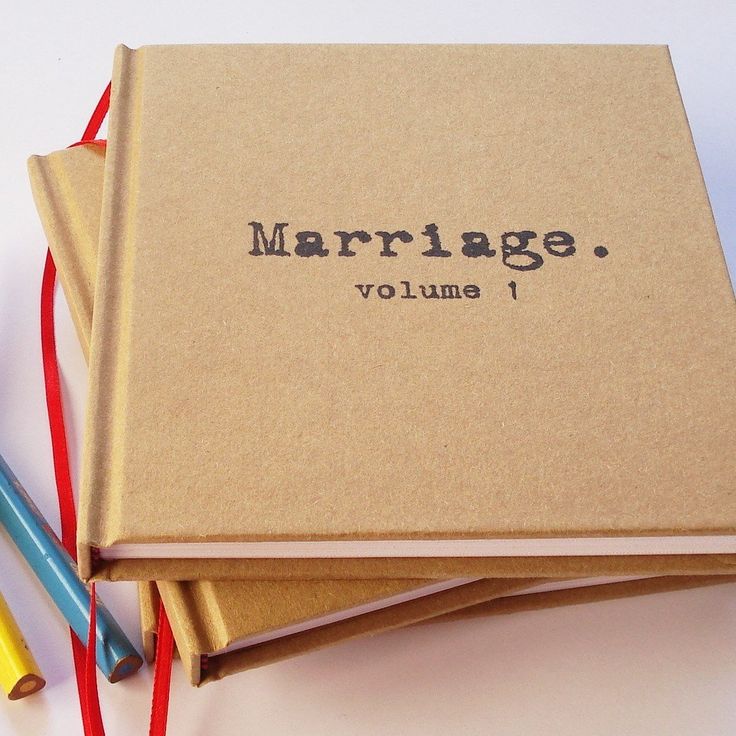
(116,656)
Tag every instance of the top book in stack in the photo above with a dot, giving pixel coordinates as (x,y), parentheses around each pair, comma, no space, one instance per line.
(406,310)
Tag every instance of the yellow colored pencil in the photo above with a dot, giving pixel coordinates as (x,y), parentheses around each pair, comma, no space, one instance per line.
(19,673)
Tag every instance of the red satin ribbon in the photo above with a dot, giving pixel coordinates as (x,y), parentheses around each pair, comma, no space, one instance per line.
(90,676)
(85,668)
(55,411)
(161,675)
(67,510)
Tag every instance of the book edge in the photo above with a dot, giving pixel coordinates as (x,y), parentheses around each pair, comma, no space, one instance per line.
(406,567)
(384,619)
(591,594)
(148,602)
(188,624)
(53,197)
(99,508)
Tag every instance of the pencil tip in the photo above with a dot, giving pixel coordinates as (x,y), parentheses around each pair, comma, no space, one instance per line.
(126,667)
(27,685)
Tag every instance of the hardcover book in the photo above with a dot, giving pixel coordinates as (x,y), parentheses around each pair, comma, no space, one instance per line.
(225,627)
(216,635)
(421,311)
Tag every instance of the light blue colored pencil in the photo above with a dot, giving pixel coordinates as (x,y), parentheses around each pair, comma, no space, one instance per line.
(116,656)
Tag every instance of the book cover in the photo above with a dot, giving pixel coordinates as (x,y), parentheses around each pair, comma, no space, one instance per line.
(208,652)
(225,627)
(67,188)
(539,597)
(216,635)
(406,310)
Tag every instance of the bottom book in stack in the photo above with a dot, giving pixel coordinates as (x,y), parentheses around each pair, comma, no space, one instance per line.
(218,632)
(225,627)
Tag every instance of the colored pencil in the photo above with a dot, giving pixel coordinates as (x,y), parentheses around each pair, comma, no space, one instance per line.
(54,567)
(19,673)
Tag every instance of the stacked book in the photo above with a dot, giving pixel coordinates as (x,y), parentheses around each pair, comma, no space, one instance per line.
(380,335)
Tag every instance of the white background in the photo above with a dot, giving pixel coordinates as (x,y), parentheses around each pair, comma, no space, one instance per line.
(662,664)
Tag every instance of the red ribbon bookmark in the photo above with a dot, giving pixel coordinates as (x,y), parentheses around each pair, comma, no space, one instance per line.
(161,675)
(67,511)
(54,407)
(85,668)
(91,696)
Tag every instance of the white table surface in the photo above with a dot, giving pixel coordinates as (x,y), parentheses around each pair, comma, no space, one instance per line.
(659,664)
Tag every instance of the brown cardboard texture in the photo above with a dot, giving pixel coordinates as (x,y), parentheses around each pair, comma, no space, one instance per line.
(225,620)
(67,191)
(149,600)
(584,594)
(439,568)
(193,628)
(559,377)
(209,616)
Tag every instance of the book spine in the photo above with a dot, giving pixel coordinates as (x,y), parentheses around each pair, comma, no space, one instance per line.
(55,199)
(148,600)
(215,631)
(189,624)
(102,469)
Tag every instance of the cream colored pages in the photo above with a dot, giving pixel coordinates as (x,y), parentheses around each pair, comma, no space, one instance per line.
(577,386)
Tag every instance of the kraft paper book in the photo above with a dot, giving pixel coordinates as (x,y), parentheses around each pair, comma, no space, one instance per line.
(223,627)
(226,626)
(208,617)
(418,311)
(249,623)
